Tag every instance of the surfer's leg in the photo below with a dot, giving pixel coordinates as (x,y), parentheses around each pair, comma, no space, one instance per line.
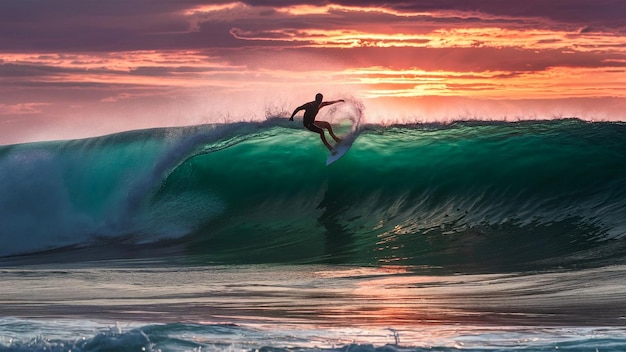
(325,141)
(326,125)
(312,127)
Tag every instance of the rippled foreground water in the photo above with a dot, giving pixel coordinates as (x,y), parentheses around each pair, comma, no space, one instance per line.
(123,305)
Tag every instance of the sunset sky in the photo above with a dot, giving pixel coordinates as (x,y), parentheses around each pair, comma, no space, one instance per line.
(77,68)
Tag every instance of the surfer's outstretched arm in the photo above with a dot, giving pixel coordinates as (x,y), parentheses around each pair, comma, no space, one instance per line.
(326,103)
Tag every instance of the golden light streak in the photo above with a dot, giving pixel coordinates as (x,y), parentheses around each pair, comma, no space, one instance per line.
(558,82)
(306,10)
(444,38)
(213,8)
(526,39)
(334,38)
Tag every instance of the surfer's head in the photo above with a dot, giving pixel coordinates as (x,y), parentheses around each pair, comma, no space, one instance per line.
(319,97)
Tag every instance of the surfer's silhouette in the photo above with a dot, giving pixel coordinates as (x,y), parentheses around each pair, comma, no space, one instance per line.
(310,111)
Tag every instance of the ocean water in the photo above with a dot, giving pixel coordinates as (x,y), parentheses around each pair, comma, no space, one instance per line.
(470,235)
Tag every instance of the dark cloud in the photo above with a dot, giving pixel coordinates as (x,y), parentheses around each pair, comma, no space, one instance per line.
(72,25)
(45,10)
(14,70)
(10,70)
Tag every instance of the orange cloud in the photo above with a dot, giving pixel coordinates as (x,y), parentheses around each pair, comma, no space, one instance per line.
(559,82)
(529,39)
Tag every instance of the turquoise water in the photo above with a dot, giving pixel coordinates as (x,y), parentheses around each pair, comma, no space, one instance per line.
(485,196)
(469,235)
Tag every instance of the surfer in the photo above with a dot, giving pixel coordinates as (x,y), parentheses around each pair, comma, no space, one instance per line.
(310,111)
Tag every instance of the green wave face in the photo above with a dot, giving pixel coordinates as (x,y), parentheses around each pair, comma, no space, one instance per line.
(467,194)
(483,196)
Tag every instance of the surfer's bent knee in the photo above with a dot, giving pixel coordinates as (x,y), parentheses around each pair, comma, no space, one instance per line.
(313,128)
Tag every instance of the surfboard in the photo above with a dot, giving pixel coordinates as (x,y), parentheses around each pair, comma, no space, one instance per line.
(339,150)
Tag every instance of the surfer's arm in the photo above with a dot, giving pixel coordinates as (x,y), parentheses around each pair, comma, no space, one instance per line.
(296,111)
(326,103)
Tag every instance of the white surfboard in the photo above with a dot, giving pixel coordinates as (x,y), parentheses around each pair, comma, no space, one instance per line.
(339,150)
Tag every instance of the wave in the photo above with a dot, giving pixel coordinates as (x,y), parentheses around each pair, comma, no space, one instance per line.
(483,195)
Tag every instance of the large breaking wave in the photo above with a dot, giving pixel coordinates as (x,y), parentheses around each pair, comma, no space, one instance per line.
(466,195)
